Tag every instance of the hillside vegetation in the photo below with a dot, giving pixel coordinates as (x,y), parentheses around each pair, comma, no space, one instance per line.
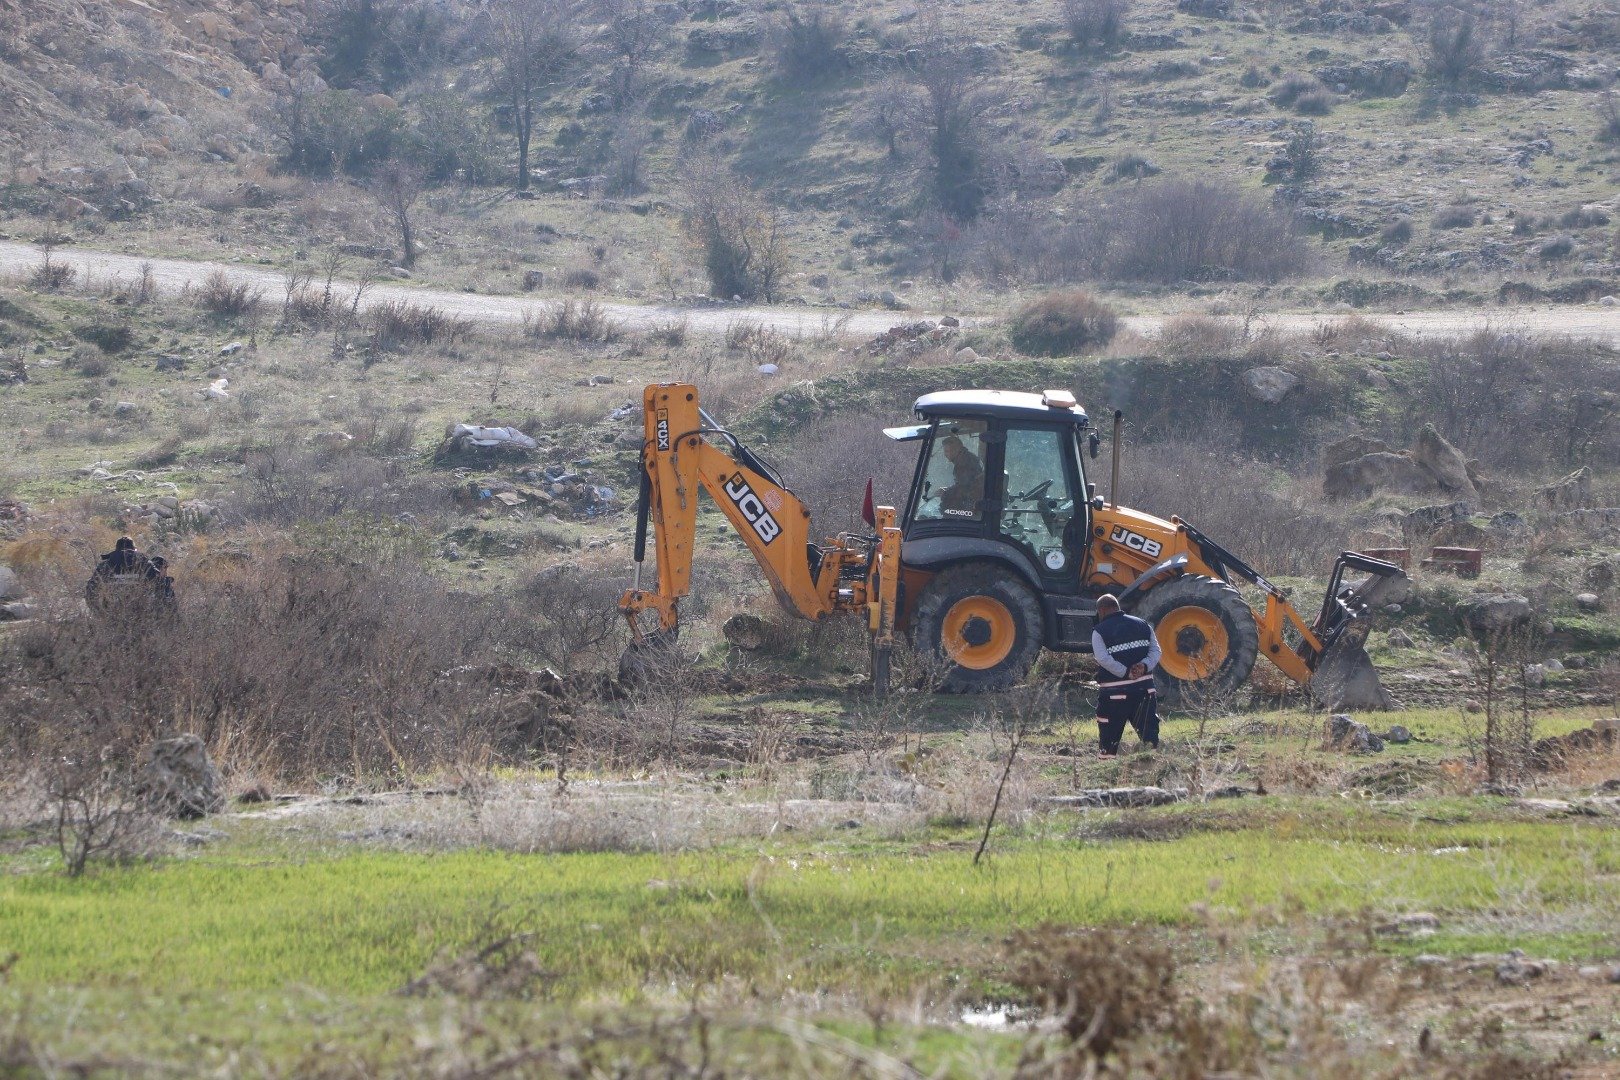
(1397,152)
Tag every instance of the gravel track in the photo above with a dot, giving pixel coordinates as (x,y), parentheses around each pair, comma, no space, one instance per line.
(1593,322)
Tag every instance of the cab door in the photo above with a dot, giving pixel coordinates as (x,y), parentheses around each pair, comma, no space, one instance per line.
(1040,507)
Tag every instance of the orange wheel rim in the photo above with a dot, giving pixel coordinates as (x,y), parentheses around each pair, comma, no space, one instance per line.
(979,632)
(1194,643)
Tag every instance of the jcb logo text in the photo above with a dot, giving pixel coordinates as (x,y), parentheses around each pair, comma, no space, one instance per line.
(748,504)
(1136,542)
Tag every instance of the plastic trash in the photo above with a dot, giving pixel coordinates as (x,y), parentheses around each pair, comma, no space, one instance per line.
(478,435)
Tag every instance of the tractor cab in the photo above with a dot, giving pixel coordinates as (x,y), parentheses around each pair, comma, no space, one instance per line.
(1000,478)
(1001,468)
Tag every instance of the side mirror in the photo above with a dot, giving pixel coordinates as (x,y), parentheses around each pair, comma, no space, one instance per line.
(1094,444)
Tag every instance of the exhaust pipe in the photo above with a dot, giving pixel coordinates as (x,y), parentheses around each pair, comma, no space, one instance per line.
(1113,482)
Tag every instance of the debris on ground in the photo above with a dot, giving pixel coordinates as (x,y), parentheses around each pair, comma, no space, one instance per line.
(1344,732)
(470,435)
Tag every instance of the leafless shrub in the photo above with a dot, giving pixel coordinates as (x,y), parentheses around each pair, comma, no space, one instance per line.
(1095,24)
(1455,217)
(1608,117)
(671,332)
(1062,323)
(738,233)
(98,816)
(578,621)
(1197,231)
(761,344)
(498,962)
(51,276)
(222,298)
(830,460)
(398,324)
(809,44)
(394,674)
(1291,88)
(571,320)
(1453,48)
(1490,374)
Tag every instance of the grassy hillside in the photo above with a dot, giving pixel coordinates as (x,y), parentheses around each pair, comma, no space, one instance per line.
(1454,163)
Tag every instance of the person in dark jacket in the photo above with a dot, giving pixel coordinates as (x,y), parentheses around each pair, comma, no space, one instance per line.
(1127,651)
(123,565)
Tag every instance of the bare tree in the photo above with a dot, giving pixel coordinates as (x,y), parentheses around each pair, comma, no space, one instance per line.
(535,40)
(738,232)
(950,111)
(397,186)
(631,36)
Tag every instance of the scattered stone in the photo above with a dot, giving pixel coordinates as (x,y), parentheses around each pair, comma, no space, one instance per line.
(1509,522)
(1344,732)
(533,279)
(1398,735)
(966,355)
(1269,385)
(230,350)
(892,301)
(10,584)
(126,408)
(1609,301)
(176,779)
(1492,613)
(18,611)
(951,321)
(1587,601)
(1400,639)
(746,632)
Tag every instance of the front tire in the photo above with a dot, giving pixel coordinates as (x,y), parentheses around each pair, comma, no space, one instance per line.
(1207,636)
(982,625)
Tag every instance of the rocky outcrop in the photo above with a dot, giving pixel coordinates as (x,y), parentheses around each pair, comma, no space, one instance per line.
(1573,492)
(1358,467)
(1494,613)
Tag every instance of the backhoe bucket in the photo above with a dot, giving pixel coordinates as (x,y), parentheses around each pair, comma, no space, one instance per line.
(1343,674)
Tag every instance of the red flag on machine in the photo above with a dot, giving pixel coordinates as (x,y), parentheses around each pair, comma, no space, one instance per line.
(868,511)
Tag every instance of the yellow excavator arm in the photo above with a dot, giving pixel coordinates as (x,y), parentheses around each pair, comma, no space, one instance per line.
(845,573)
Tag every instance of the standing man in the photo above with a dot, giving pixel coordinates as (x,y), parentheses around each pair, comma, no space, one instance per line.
(1127,652)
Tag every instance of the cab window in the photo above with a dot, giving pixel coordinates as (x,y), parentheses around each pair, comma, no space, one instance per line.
(1037,500)
(953,480)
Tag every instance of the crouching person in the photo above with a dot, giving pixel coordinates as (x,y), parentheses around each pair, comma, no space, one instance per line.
(1127,652)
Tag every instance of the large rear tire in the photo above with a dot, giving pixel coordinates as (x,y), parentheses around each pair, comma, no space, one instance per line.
(983,626)
(1207,635)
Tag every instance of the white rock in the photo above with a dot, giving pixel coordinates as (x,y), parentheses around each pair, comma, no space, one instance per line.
(1269,384)
(230,350)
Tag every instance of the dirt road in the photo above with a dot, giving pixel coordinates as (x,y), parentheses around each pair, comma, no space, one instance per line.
(1592,321)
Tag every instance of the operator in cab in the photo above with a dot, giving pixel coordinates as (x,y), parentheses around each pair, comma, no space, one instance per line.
(1127,651)
(967,478)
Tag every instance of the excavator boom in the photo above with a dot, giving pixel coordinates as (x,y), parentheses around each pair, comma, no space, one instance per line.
(679,459)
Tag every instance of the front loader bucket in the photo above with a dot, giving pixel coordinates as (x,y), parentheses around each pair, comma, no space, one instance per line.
(1343,676)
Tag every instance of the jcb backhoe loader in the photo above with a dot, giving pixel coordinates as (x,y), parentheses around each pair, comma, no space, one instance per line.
(1002,548)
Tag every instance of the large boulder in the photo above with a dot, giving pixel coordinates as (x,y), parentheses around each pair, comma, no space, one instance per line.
(1382,471)
(1573,492)
(10,586)
(1494,613)
(1444,461)
(175,778)
(1269,385)
(1350,448)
